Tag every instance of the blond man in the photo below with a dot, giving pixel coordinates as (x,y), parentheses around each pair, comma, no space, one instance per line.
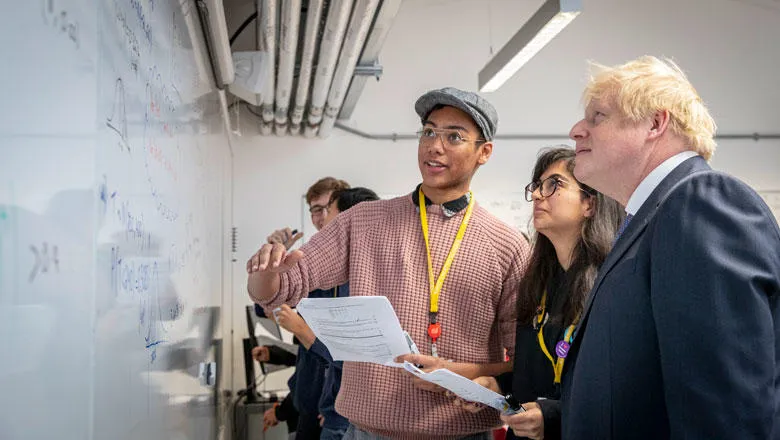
(679,337)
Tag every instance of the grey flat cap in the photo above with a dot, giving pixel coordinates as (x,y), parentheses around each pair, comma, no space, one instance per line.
(482,112)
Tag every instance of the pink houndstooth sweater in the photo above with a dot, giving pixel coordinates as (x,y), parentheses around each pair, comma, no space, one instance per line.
(379,248)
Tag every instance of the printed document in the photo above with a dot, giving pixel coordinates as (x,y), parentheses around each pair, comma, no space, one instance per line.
(356,328)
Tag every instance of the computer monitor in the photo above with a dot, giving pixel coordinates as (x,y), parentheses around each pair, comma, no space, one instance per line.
(265,331)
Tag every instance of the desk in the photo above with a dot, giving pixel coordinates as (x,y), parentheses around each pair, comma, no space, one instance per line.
(249,423)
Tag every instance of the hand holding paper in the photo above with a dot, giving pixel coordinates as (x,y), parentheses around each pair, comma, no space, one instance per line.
(425,364)
(464,388)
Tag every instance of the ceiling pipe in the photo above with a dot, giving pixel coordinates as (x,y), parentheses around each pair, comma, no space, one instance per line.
(330,46)
(288,46)
(313,17)
(370,55)
(534,137)
(266,34)
(362,17)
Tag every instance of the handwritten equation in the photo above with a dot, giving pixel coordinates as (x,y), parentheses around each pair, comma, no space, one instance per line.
(61,20)
(143,23)
(131,41)
(149,193)
(117,121)
(44,260)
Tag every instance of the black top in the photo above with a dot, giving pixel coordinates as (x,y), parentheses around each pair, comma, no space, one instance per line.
(533,376)
(280,356)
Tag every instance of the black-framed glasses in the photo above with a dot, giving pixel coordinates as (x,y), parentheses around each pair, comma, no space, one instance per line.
(546,187)
(449,137)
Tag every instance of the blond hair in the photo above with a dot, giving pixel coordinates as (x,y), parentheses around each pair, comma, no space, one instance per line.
(646,85)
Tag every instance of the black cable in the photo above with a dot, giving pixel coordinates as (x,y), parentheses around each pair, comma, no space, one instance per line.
(242,27)
(242,394)
(249,109)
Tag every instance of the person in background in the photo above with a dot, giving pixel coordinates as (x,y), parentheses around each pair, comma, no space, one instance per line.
(574,228)
(397,248)
(283,411)
(344,199)
(680,337)
(307,381)
(333,424)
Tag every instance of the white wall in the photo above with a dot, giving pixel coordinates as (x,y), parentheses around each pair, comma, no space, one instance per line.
(730,55)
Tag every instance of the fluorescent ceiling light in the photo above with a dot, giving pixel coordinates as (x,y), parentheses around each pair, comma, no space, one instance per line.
(546,23)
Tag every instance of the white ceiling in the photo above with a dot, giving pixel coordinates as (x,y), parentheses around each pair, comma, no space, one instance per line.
(728,48)
(771,4)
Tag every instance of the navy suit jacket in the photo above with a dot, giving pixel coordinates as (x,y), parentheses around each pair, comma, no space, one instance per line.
(680,336)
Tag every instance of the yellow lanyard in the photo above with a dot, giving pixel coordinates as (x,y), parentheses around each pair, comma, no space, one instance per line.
(562,345)
(435,287)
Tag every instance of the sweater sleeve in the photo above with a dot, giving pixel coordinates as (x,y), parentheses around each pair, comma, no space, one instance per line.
(325,263)
(285,410)
(280,356)
(321,351)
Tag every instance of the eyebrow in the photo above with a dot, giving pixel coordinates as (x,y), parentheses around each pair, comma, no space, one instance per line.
(596,107)
(557,176)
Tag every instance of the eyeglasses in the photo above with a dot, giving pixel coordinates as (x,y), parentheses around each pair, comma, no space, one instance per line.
(318,210)
(546,187)
(449,137)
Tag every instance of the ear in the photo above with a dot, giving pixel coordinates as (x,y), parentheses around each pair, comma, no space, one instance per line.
(485,150)
(660,122)
(589,206)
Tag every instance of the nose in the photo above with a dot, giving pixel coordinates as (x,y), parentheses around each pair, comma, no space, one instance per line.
(536,195)
(437,144)
(578,131)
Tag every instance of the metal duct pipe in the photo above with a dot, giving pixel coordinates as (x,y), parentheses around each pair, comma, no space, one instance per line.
(359,26)
(534,137)
(313,16)
(266,34)
(370,55)
(288,45)
(336,24)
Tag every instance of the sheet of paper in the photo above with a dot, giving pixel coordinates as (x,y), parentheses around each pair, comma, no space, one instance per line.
(356,328)
(463,387)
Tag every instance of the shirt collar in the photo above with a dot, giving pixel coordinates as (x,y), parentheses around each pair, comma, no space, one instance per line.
(450,208)
(649,183)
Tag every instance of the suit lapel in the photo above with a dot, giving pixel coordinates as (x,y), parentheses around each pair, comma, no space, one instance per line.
(637,225)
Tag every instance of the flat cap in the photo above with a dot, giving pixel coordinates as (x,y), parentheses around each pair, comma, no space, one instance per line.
(482,112)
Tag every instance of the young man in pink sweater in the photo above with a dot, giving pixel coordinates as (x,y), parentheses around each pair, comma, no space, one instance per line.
(462,315)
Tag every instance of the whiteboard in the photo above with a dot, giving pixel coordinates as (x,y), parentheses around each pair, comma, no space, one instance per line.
(509,206)
(112,202)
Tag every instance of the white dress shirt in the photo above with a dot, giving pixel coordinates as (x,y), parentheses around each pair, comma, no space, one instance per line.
(649,183)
